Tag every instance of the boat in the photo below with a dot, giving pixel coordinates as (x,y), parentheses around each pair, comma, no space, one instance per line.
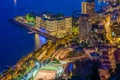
(32,32)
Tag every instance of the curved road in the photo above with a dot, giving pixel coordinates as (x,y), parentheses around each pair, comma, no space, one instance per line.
(108,30)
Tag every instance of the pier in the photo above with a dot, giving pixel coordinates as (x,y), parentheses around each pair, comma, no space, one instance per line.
(12,20)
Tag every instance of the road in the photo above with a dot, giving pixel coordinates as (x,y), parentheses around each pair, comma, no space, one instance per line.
(107,25)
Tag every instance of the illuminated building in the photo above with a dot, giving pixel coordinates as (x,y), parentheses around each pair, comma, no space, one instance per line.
(54,24)
(116,29)
(68,23)
(118,19)
(98,28)
(116,32)
(104,72)
(50,26)
(87,14)
(88,8)
(43,23)
(112,58)
(107,62)
(108,58)
(105,66)
(84,27)
(117,55)
(38,19)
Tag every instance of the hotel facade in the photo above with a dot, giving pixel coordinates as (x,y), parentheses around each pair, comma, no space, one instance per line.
(54,24)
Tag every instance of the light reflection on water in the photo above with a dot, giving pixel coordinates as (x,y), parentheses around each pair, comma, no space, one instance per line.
(15,2)
(39,41)
(14,41)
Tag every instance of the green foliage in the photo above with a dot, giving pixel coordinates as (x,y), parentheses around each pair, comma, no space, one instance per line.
(17,78)
(84,44)
(60,14)
(71,54)
(56,61)
(75,30)
(29,17)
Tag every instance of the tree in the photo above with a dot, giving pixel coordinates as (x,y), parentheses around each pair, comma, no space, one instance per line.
(60,15)
(1,75)
(29,17)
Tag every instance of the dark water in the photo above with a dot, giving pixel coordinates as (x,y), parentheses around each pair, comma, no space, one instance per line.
(15,41)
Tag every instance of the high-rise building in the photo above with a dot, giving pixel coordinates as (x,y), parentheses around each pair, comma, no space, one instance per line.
(107,62)
(88,8)
(84,27)
(87,12)
(54,24)
(38,19)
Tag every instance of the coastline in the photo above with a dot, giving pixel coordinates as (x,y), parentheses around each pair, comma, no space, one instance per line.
(40,55)
(12,20)
(21,8)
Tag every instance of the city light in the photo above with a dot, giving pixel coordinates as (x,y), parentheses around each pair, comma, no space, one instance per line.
(86,47)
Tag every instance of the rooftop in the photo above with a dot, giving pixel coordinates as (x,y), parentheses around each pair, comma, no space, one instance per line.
(88,0)
(105,67)
(86,15)
(51,17)
(94,54)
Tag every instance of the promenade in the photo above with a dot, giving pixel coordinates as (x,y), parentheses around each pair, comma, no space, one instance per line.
(34,29)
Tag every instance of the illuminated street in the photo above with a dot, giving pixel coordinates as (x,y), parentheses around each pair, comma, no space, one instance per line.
(108,30)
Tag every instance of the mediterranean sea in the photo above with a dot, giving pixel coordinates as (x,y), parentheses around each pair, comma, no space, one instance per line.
(15,42)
